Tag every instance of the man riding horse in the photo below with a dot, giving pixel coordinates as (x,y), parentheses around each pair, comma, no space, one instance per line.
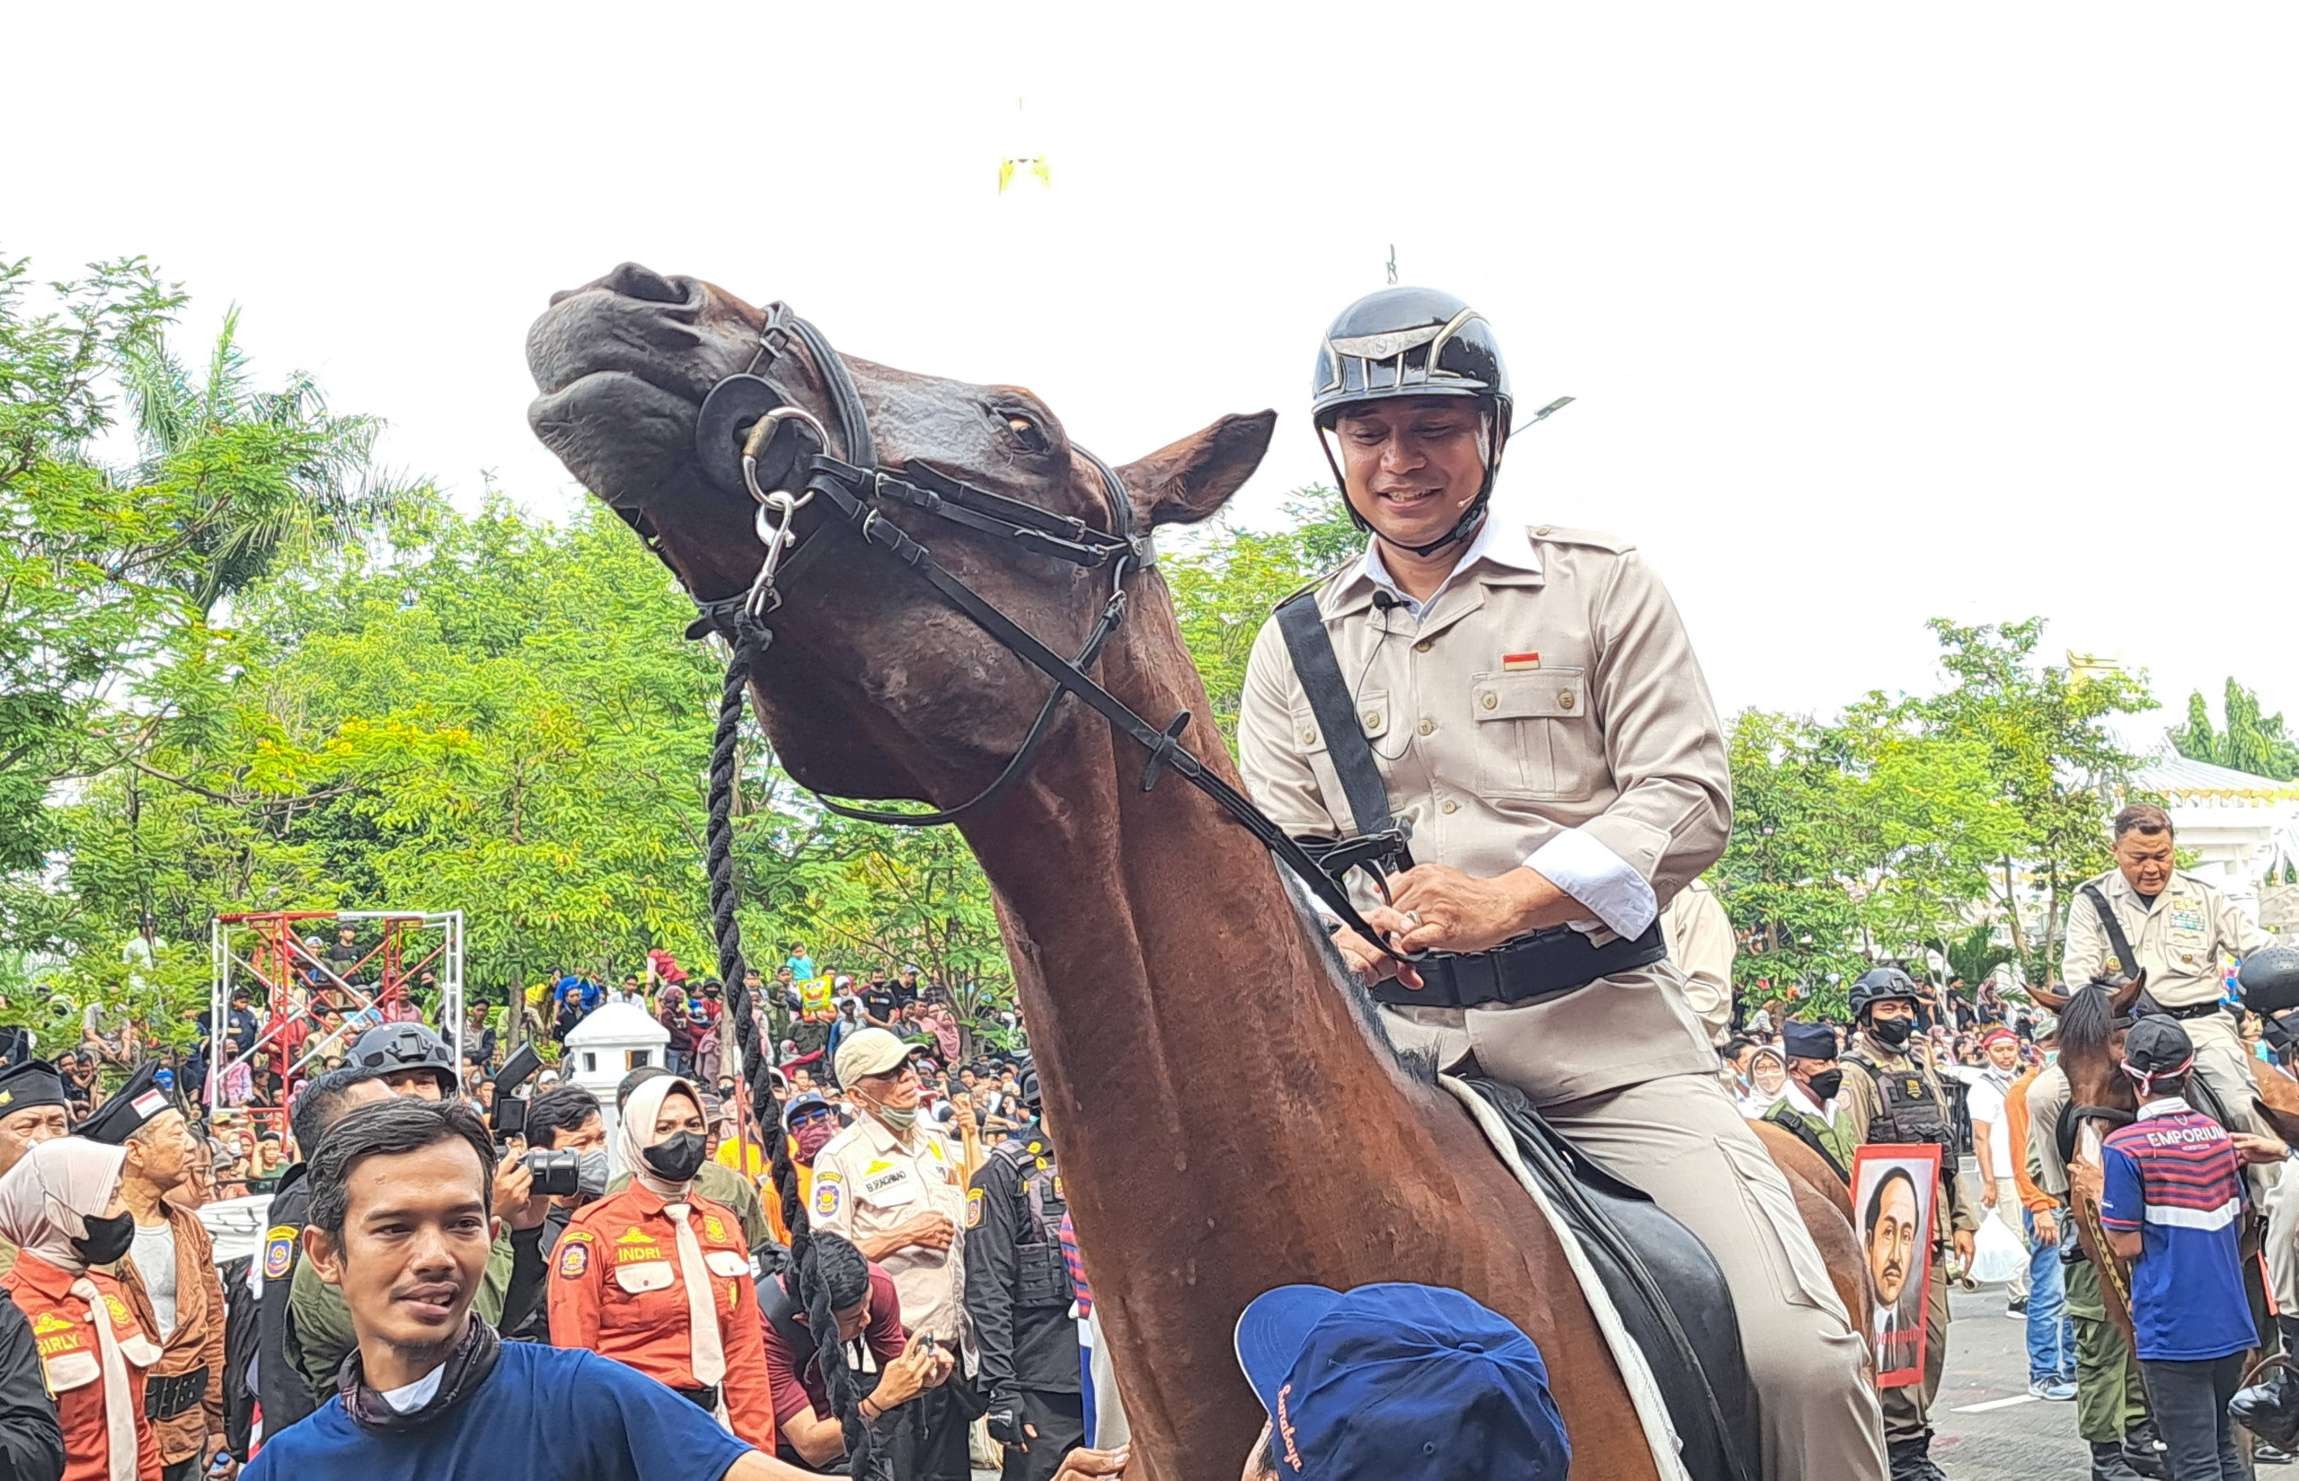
(1526,703)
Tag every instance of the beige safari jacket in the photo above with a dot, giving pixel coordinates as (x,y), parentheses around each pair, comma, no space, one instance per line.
(1544,707)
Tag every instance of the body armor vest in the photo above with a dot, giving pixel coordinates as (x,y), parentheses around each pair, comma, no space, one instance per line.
(1909,1111)
(1041,1278)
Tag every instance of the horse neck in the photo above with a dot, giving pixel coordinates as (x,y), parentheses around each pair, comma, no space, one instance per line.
(1162,965)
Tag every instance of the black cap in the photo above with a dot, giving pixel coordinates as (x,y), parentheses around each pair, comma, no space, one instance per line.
(33,1082)
(121,1117)
(1808,1041)
(2157,1045)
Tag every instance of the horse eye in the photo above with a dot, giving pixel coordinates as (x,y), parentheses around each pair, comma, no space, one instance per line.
(1026,432)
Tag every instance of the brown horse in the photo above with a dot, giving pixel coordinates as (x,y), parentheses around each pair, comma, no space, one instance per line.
(2091,1028)
(1230,1120)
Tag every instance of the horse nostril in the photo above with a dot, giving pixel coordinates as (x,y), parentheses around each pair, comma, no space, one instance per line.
(633,281)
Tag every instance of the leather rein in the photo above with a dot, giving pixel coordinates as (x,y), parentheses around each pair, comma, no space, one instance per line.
(785,448)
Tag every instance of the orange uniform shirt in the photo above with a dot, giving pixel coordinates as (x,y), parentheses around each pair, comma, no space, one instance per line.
(617,1288)
(2034,1199)
(73,1365)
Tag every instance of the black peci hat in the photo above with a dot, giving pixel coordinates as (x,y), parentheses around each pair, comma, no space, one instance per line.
(33,1082)
(137,1102)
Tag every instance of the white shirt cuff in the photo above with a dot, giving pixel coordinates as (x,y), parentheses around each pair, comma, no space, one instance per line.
(1585,869)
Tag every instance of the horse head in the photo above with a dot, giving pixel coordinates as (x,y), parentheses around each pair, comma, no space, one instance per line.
(2092,1020)
(873,686)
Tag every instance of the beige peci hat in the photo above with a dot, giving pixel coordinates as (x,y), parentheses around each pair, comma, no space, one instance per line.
(870,1051)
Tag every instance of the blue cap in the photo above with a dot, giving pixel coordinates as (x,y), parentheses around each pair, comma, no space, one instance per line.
(1399,1382)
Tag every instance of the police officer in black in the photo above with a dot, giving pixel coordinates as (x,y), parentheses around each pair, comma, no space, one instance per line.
(1018,1296)
(1891,1093)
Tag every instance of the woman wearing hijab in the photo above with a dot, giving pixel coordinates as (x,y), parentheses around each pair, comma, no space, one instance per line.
(1768,1076)
(61,1207)
(659,1278)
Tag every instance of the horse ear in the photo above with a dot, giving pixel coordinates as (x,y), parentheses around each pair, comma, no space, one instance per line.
(2057,1002)
(2120,1004)
(1185,481)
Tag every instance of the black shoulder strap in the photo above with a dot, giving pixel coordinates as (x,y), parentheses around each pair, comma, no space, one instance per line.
(2114,928)
(1311,649)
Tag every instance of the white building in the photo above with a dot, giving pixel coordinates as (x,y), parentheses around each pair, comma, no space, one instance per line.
(2242,829)
(616,1039)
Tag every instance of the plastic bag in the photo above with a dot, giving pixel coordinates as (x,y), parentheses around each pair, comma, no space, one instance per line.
(1998,1254)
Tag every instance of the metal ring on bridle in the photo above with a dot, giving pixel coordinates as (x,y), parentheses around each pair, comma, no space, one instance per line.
(761,430)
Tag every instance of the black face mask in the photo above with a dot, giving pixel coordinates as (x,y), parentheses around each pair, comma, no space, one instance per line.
(678,1159)
(1892,1033)
(1825,1084)
(106,1239)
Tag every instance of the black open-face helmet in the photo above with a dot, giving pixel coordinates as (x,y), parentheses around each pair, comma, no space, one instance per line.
(1405,342)
(1880,985)
(392,1047)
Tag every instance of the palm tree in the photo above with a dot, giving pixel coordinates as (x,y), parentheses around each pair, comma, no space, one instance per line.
(268,475)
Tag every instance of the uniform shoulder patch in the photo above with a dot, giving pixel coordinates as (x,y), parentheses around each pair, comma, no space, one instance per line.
(574,1258)
(1594,539)
(829,1190)
(278,1251)
(974,1201)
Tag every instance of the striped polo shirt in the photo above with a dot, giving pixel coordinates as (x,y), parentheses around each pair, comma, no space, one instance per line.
(2173,1176)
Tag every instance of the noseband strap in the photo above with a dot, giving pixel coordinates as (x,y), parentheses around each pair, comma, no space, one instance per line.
(861,492)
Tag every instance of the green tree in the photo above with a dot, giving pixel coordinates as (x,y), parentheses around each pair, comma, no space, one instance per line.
(2050,757)
(1788,873)
(2249,741)
(110,574)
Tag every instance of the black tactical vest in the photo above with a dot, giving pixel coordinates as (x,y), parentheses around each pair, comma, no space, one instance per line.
(1909,1110)
(1040,1276)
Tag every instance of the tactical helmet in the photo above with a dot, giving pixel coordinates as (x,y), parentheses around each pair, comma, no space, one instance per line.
(2269,979)
(1031,1096)
(1404,342)
(405,1046)
(1880,985)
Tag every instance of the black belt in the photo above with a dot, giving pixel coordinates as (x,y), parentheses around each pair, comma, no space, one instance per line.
(1546,964)
(705,1399)
(165,1398)
(2192,1010)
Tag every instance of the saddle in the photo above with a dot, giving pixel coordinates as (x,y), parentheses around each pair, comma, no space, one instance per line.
(1668,1288)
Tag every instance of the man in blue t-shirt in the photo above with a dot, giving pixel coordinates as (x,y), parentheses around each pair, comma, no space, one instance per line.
(2171,1198)
(399,1223)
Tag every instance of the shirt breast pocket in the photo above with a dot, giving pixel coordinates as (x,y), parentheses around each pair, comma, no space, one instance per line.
(1371,710)
(642,1279)
(1534,735)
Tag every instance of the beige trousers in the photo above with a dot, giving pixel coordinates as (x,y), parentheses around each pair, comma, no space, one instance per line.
(1682,1140)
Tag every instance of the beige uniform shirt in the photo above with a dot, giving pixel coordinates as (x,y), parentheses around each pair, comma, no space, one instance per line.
(867,1182)
(2048,1097)
(1700,942)
(2183,940)
(1860,1102)
(1543,707)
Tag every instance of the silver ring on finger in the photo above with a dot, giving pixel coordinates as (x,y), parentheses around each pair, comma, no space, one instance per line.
(1412,917)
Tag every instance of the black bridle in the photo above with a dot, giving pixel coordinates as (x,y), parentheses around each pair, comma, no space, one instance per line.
(784,446)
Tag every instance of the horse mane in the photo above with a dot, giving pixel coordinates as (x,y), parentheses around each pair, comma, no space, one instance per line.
(2087,1023)
(1418,1064)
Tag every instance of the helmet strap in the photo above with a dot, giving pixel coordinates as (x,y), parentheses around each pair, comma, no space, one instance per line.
(1494,436)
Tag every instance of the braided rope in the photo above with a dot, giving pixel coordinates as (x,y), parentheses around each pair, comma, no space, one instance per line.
(749,643)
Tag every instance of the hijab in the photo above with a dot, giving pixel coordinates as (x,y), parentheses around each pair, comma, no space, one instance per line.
(636,1131)
(47,1199)
(1759,1100)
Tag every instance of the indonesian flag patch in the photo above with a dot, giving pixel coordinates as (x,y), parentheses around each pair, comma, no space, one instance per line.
(1519,662)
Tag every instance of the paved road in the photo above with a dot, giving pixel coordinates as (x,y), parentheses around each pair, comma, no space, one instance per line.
(1986,1428)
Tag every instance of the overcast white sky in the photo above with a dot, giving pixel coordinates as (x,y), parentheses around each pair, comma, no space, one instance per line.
(1874,312)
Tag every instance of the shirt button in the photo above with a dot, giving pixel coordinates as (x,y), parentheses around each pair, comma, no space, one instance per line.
(1564,699)
(1540,529)
(1308,736)
(1372,719)
(1448,806)
(1428,726)
(1423,646)
(1487,699)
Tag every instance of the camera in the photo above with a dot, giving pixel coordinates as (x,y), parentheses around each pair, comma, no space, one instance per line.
(557,1174)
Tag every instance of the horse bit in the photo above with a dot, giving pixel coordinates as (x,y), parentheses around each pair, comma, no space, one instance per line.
(785,447)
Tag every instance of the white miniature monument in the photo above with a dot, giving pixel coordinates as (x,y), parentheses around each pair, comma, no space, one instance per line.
(616,1039)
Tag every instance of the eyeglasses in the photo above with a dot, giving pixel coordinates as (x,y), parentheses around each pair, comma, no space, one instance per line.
(809,1118)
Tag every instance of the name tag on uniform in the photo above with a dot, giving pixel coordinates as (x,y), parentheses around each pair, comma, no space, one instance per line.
(2186,920)
(890,1188)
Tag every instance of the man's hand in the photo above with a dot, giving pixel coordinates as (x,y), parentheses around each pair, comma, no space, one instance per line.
(968,1129)
(1435,907)
(1962,1240)
(515,1198)
(2254,1147)
(1085,1465)
(217,1445)
(922,1366)
(930,1232)
(1369,963)
(1006,1425)
(1988,1193)
(2047,1227)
